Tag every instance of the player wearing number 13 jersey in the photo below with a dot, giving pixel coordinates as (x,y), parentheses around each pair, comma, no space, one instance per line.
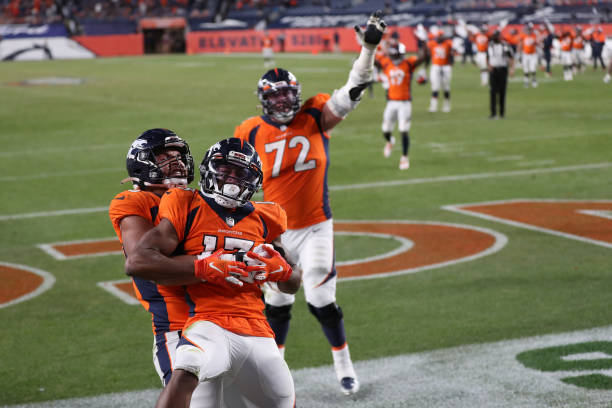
(293,142)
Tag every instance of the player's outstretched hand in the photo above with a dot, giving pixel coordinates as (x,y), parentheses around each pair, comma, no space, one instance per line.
(217,271)
(276,267)
(375,27)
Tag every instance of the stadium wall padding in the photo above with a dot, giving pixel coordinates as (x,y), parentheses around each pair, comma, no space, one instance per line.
(312,40)
(113,45)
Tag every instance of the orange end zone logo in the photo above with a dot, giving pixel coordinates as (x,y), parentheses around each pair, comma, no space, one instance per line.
(20,283)
(424,245)
(582,220)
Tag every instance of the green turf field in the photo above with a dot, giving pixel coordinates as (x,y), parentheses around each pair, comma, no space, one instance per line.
(64,147)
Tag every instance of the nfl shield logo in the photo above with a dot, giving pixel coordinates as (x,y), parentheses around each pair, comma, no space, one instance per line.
(229,221)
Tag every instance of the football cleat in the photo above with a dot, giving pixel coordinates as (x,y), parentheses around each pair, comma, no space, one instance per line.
(446,107)
(349,385)
(389,147)
(404,163)
(607,78)
(433,105)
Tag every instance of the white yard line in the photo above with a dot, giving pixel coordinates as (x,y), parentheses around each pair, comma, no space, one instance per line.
(62,174)
(512,173)
(380,184)
(505,158)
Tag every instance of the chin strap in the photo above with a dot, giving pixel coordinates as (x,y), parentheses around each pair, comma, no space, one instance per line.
(168,183)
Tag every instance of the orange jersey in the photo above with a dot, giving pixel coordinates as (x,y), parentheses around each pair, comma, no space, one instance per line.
(578,43)
(440,52)
(267,42)
(203,225)
(400,77)
(295,160)
(599,36)
(167,304)
(482,42)
(529,42)
(512,39)
(566,42)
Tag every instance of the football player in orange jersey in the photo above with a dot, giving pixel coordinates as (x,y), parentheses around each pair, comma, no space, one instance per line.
(440,73)
(481,40)
(529,55)
(578,51)
(293,142)
(267,49)
(567,61)
(157,160)
(399,71)
(226,339)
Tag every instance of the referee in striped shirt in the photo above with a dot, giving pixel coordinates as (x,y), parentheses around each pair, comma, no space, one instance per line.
(500,60)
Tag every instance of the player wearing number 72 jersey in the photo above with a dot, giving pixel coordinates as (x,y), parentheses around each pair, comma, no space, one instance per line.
(293,143)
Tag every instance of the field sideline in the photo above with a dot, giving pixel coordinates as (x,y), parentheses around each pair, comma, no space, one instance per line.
(468,376)
(527,324)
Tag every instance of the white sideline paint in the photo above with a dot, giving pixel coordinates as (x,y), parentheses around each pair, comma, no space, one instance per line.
(479,375)
(381,184)
(459,208)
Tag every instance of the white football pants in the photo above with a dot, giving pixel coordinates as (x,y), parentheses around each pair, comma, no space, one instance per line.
(252,367)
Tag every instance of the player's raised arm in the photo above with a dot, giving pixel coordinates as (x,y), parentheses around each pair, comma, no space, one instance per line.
(345,99)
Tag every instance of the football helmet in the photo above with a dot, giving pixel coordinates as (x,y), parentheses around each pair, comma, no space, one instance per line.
(280,95)
(146,169)
(397,51)
(231,172)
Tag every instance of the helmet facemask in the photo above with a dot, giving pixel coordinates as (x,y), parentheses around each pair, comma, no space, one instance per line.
(229,180)
(158,158)
(280,104)
(280,95)
(173,166)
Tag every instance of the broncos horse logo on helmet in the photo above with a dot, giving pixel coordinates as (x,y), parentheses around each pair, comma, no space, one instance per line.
(147,168)
(231,172)
(280,94)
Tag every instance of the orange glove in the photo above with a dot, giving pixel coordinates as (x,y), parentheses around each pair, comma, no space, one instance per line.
(276,267)
(217,271)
